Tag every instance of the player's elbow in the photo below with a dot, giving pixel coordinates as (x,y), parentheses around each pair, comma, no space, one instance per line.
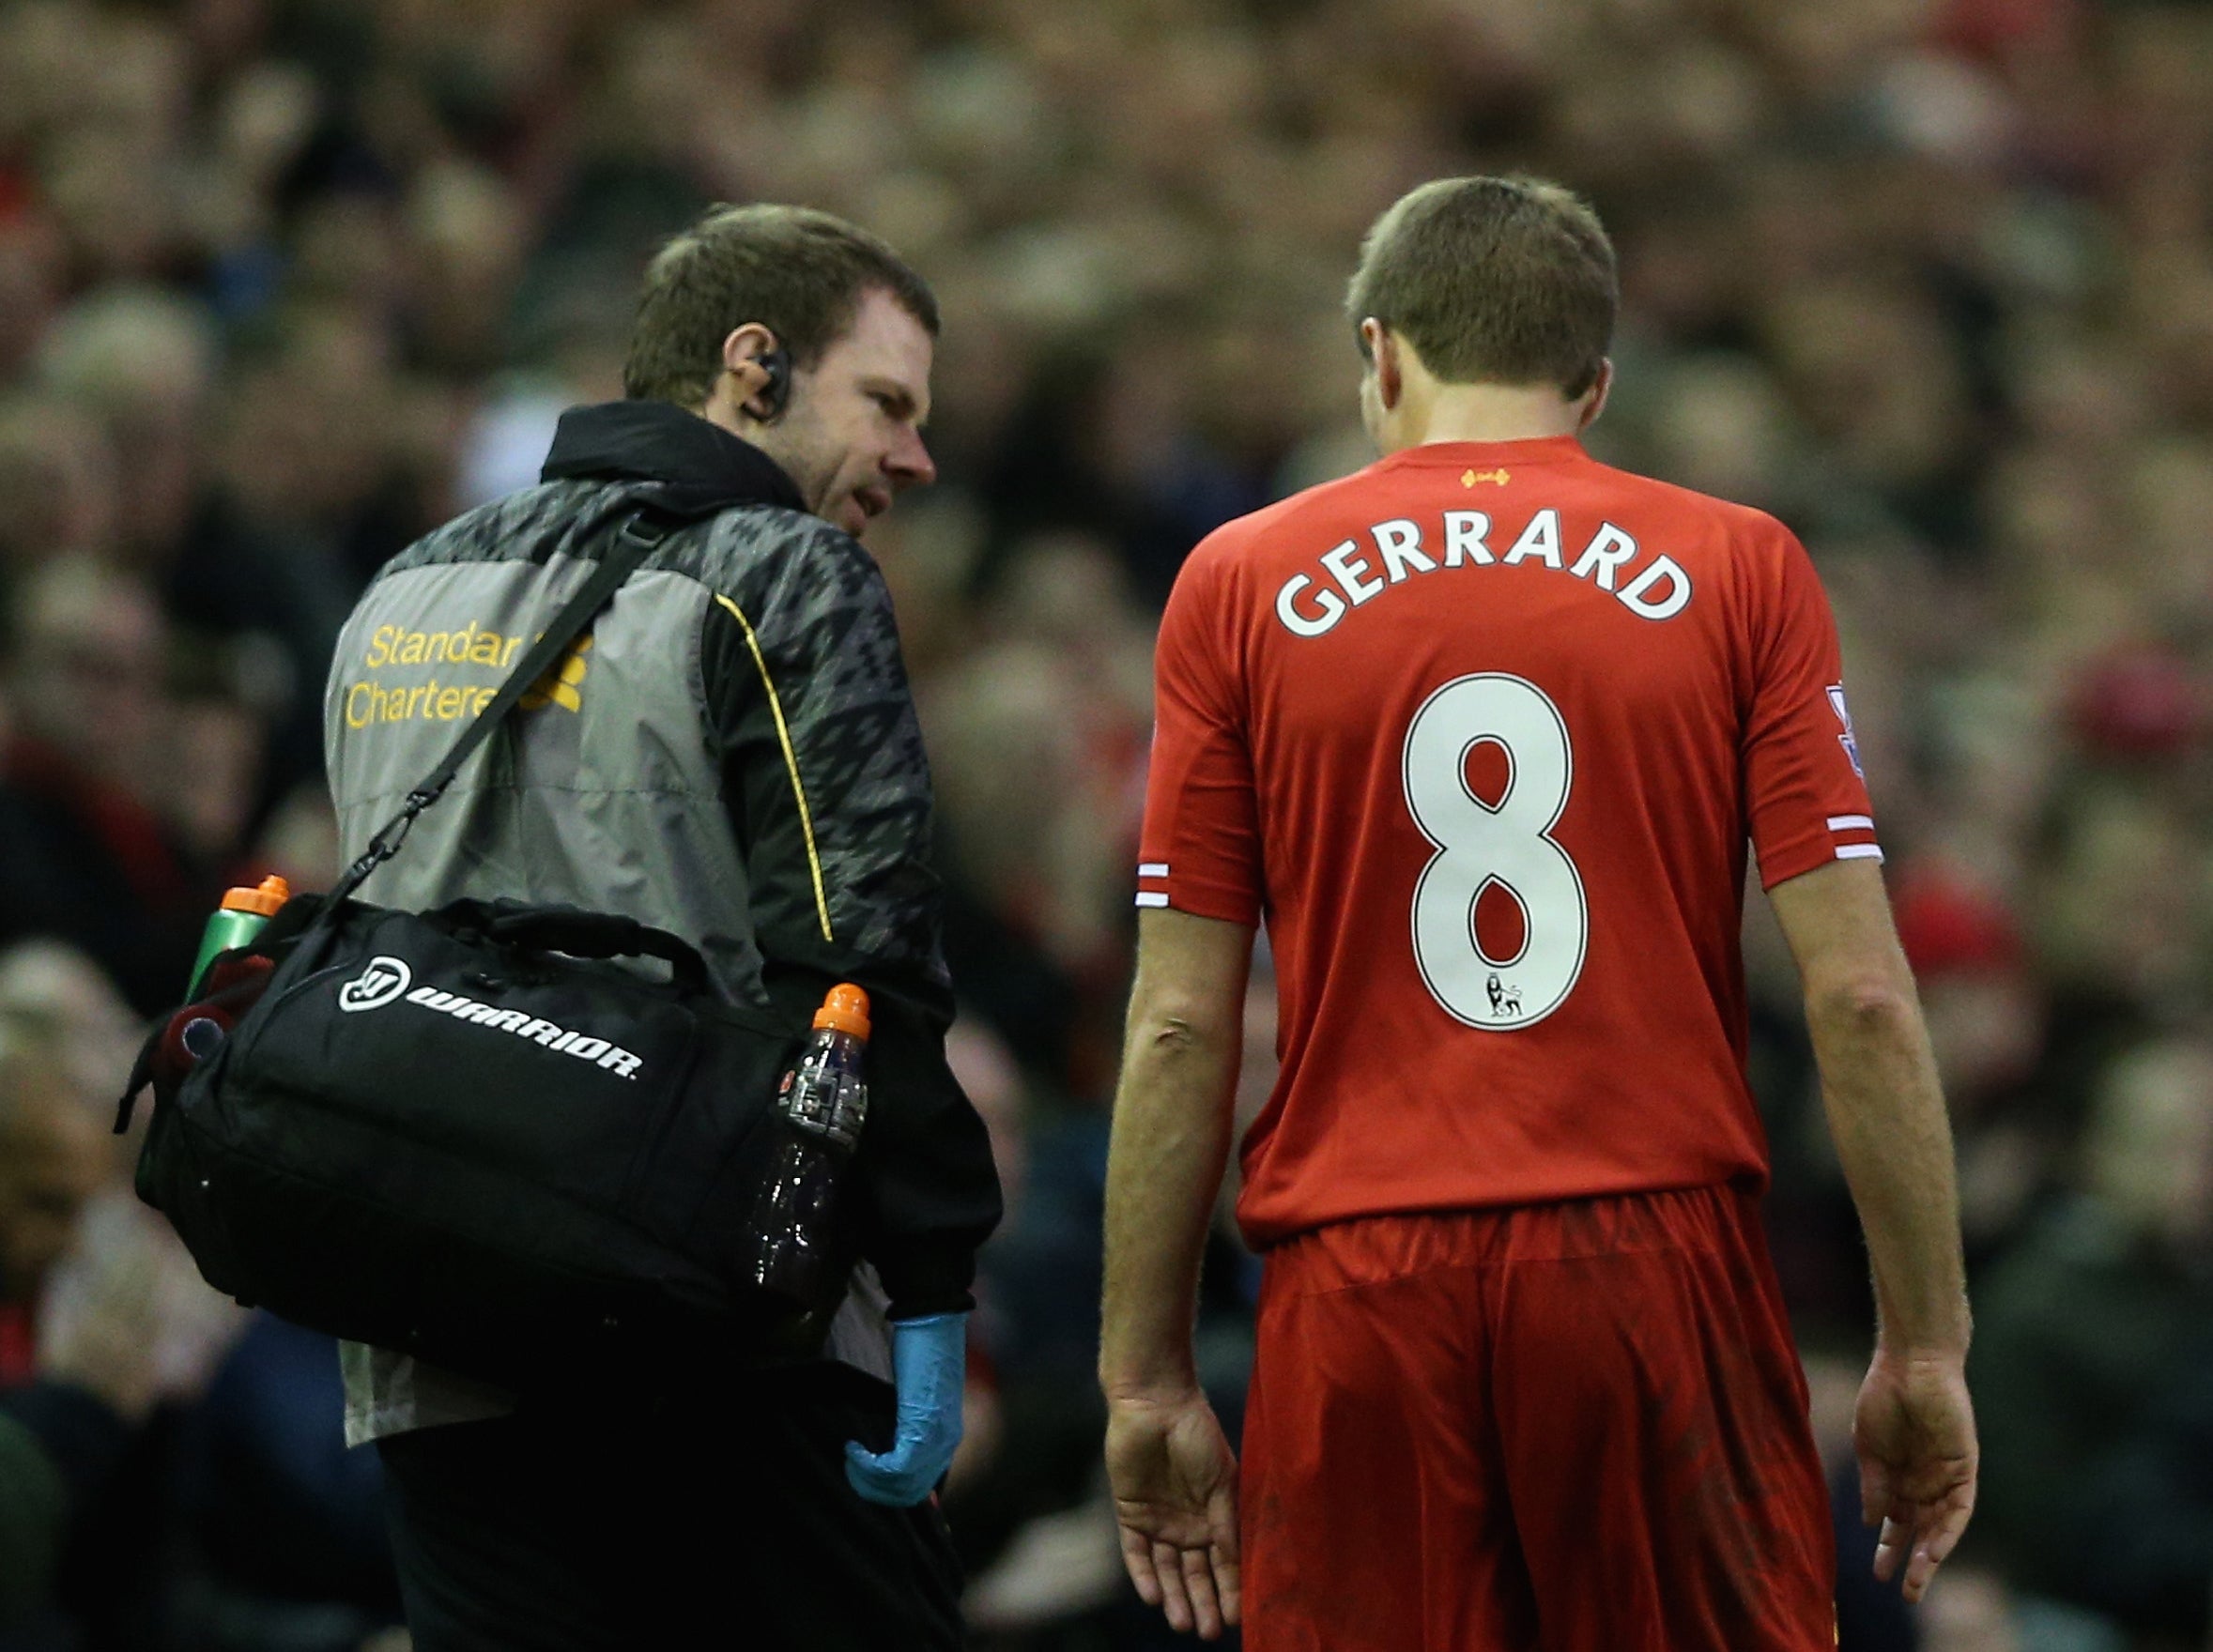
(1171,1035)
(1866,1002)
(1180,1024)
(1183,1031)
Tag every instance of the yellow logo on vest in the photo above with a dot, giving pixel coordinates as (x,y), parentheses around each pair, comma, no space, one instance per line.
(562,685)
(1469,477)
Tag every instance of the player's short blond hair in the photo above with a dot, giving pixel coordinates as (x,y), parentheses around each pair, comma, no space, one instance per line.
(1492,280)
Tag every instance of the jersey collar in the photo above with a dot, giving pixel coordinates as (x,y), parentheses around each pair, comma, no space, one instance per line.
(1545,450)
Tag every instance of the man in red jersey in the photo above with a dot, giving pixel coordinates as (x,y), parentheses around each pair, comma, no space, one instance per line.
(1483,734)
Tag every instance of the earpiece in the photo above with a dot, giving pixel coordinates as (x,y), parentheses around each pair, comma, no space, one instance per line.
(768,402)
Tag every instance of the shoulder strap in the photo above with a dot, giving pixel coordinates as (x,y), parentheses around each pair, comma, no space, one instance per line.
(634,542)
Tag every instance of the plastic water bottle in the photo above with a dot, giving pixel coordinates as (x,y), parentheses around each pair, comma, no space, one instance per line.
(238,920)
(196,1032)
(822,1105)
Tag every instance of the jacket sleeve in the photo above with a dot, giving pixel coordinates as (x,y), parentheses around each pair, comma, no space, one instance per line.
(828,792)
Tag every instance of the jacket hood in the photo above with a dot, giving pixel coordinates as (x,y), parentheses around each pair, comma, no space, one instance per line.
(700,466)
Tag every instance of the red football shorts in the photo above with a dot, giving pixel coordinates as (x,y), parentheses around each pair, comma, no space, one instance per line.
(1577,1427)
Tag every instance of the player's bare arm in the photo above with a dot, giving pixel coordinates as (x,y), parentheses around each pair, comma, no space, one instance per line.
(1174,1476)
(1914,1427)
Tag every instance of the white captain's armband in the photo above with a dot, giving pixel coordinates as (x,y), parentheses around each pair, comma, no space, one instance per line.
(1155,873)
(1854,837)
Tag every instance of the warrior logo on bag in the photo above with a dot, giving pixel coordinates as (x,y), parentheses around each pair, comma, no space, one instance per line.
(378,984)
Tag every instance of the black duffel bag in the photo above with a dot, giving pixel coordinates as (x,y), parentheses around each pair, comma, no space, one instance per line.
(463,1135)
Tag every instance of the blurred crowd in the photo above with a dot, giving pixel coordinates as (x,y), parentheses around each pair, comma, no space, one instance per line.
(284,282)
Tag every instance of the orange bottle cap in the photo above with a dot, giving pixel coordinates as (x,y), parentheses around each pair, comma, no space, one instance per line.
(846,1009)
(265,897)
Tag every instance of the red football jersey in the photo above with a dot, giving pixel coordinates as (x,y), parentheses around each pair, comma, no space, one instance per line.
(1481,734)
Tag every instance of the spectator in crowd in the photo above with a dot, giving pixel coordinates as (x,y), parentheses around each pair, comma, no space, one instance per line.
(67,1396)
(283,1527)
(274,1535)
(52,993)
(51,1161)
(2146,1509)
(57,481)
(2080,1321)
(84,855)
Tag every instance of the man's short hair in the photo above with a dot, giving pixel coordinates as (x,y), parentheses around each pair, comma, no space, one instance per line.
(798,272)
(1492,280)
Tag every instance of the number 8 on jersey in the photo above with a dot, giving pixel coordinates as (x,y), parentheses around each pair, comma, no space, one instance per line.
(1481,844)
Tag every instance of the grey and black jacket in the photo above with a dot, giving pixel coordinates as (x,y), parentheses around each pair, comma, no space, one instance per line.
(731,753)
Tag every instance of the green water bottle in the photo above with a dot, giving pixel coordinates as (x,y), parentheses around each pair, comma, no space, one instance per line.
(238,920)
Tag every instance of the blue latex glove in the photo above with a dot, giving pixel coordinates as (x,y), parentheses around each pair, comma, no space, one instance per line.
(929,1369)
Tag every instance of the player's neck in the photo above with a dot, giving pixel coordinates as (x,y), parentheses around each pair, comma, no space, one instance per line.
(1435,412)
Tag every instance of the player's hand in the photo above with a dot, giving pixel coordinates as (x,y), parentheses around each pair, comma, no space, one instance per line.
(1915,1433)
(1176,1497)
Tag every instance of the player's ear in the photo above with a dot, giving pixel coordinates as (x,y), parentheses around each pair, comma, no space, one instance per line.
(1383,351)
(1595,396)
